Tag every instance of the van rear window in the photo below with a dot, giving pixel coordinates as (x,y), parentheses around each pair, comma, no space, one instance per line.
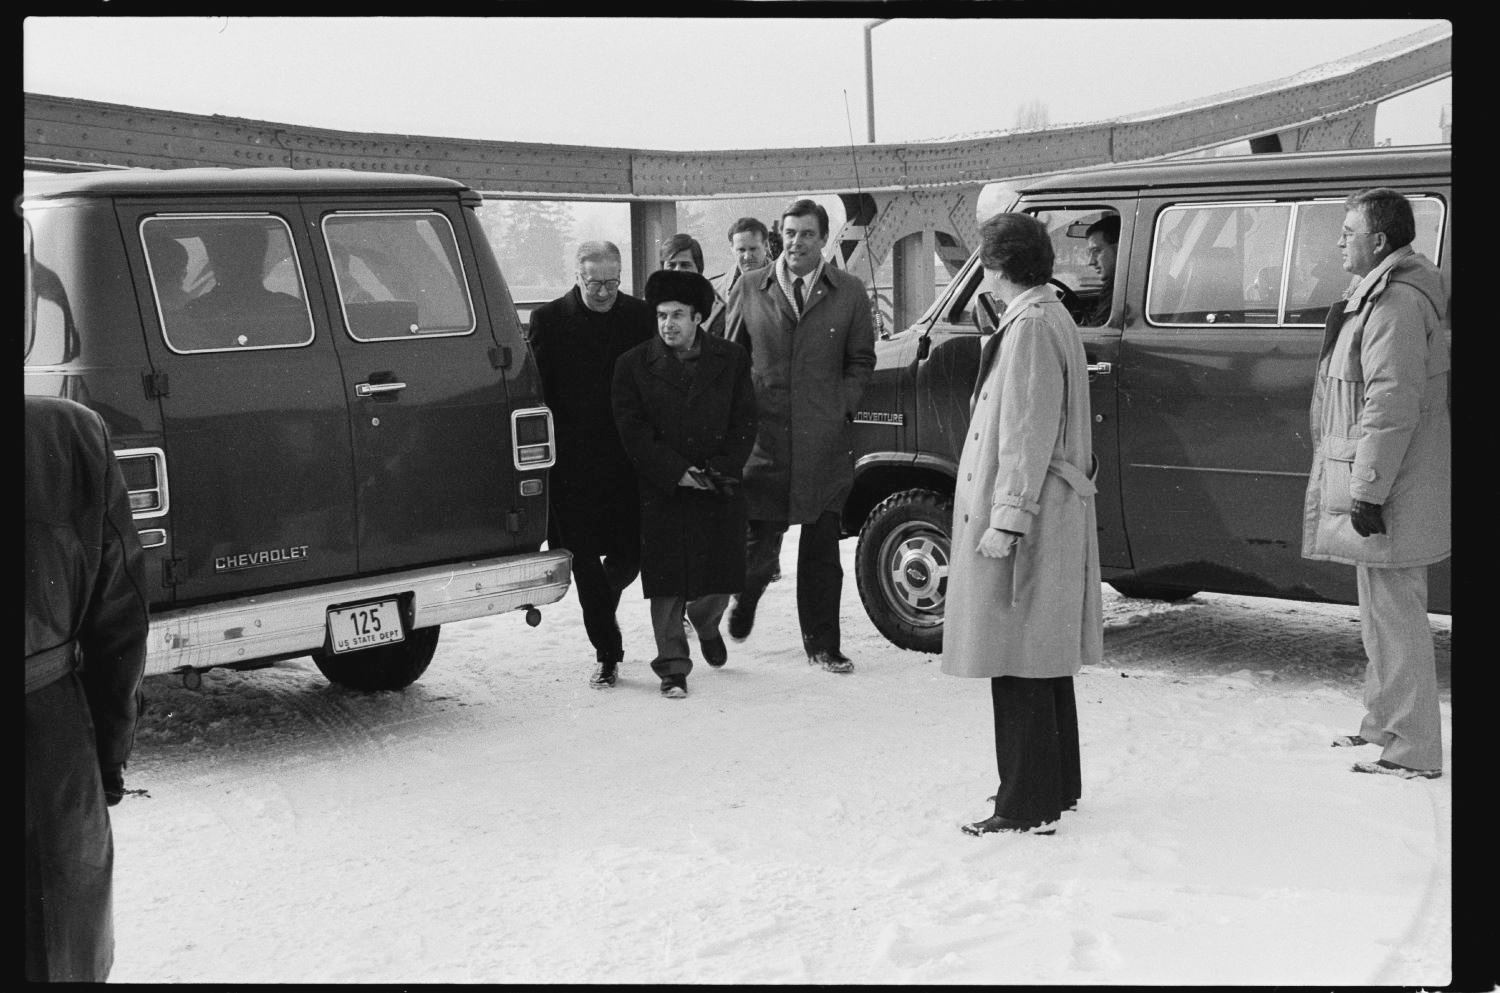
(399,274)
(226,282)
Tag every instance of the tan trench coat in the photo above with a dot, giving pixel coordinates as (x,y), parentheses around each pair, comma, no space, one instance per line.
(1026,466)
(808,378)
(1380,425)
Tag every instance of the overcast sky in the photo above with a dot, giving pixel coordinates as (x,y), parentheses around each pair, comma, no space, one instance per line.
(685,83)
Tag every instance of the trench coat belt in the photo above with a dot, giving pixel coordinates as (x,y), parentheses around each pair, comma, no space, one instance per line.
(1074,476)
(49,665)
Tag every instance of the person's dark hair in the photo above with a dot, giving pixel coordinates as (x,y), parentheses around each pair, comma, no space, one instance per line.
(681,242)
(808,208)
(1109,226)
(1386,211)
(773,240)
(749,224)
(1018,246)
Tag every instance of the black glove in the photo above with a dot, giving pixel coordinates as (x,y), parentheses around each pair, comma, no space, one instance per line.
(113,777)
(1366,518)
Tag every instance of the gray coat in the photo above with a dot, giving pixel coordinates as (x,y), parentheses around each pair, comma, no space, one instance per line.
(1380,424)
(808,378)
(1027,466)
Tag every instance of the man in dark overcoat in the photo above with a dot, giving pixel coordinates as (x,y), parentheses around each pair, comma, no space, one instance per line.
(594,513)
(811,339)
(86,627)
(685,409)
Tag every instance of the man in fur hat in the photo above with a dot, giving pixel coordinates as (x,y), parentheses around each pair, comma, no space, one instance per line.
(685,409)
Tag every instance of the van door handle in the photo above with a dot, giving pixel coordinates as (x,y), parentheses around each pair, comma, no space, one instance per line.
(1101,369)
(370,389)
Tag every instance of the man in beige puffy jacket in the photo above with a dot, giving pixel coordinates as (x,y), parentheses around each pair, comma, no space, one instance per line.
(1378,496)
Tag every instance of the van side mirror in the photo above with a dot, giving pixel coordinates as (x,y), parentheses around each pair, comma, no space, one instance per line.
(986,312)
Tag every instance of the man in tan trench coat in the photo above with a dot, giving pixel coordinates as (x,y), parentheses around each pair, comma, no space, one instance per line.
(1024,605)
(1378,495)
(811,339)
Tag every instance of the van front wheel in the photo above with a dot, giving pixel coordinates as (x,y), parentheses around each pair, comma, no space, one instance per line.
(901,566)
(385,667)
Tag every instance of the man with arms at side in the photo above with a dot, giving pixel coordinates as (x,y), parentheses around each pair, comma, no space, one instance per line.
(1378,496)
(593,509)
(811,339)
(86,627)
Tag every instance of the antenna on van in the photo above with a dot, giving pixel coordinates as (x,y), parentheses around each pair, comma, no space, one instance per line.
(874,289)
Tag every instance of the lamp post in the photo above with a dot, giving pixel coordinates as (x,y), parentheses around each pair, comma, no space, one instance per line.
(870,26)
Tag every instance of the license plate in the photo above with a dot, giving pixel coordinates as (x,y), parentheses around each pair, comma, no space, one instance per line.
(364,625)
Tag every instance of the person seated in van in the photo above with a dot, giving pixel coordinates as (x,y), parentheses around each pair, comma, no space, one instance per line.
(683,253)
(169,264)
(684,407)
(1104,241)
(239,310)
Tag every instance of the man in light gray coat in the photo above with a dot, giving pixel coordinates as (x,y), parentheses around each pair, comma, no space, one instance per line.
(1378,496)
(811,339)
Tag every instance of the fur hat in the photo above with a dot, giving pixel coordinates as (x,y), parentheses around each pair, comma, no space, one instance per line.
(677,286)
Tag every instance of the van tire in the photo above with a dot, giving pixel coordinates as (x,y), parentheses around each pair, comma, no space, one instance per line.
(385,667)
(901,566)
(1150,591)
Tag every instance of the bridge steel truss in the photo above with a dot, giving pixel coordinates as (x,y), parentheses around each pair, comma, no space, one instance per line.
(910,199)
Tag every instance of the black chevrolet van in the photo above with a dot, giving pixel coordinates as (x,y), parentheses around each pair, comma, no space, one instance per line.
(1200,379)
(330,425)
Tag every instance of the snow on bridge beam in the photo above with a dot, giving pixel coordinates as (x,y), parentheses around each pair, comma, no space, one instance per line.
(79,131)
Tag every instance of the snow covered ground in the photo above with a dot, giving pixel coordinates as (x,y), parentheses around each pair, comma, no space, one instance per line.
(501,821)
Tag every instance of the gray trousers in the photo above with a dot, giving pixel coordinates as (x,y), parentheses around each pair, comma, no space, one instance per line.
(671,640)
(1401,697)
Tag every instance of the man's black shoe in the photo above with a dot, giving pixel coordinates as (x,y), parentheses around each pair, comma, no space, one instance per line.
(742,616)
(996,824)
(674,687)
(715,652)
(831,659)
(604,673)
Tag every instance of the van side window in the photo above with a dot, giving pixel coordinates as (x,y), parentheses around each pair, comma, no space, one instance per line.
(1318,278)
(51,338)
(398,275)
(227,282)
(1218,264)
(1074,265)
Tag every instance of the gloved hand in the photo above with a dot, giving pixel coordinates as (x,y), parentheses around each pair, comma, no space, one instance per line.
(723,483)
(1366,518)
(113,777)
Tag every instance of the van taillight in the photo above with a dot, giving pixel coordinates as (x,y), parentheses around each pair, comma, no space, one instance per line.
(145,471)
(532,443)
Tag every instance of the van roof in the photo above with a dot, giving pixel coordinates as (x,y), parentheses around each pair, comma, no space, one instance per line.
(220,179)
(1355,168)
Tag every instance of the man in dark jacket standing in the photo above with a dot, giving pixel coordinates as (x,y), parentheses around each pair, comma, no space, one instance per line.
(86,627)
(594,512)
(686,414)
(811,339)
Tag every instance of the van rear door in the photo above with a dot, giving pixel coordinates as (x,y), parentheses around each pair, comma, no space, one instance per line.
(423,378)
(255,423)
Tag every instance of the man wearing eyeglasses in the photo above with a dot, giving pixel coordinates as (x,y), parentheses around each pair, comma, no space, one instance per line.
(1379,494)
(811,338)
(593,504)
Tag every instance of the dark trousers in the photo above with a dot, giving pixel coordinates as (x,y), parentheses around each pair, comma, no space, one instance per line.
(820,576)
(1036,747)
(599,592)
(704,613)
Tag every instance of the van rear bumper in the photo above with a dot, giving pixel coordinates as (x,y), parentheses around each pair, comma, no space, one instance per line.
(294,621)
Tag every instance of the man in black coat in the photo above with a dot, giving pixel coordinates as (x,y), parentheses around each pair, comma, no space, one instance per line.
(86,627)
(685,408)
(594,512)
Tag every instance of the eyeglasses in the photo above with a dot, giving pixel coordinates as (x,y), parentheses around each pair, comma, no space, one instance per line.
(596,285)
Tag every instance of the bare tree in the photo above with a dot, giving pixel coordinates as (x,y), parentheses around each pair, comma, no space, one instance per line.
(1031,116)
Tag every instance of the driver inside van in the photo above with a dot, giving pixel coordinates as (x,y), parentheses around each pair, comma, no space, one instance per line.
(1104,241)
(239,310)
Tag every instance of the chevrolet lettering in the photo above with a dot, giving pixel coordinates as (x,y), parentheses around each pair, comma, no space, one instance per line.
(288,354)
(251,560)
